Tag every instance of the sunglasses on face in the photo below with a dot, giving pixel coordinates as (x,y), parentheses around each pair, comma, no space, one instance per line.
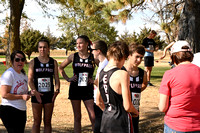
(20,59)
(94,49)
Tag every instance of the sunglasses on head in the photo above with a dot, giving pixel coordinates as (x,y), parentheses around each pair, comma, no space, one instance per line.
(18,59)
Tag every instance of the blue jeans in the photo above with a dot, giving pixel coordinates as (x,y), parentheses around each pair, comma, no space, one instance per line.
(170,130)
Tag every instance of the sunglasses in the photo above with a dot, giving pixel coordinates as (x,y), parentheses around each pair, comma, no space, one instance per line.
(18,59)
(94,49)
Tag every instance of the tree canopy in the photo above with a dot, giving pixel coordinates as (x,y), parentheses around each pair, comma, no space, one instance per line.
(29,41)
(74,22)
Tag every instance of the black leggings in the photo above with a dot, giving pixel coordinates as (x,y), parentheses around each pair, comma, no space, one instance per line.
(13,119)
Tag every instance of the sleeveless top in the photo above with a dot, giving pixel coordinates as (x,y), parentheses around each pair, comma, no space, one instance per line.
(84,69)
(135,87)
(43,75)
(115,119)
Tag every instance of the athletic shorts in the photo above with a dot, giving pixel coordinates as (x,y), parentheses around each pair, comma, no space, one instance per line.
(81,93)
(135,121)
(98,115)
(148,61)
(46,98)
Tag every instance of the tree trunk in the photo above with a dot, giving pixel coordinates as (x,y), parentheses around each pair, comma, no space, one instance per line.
(189,24)
(16,7)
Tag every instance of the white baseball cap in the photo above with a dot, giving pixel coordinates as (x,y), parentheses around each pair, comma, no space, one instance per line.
(177,46)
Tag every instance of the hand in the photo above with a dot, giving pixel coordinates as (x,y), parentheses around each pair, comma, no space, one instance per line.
(72,79)
(135,114)
(90,81)
(151,51)
(37,95)
(26,97)
(55,95)
(162,57)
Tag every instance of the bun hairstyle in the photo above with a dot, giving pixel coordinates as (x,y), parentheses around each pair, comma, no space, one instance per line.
(118,50)
(12,57)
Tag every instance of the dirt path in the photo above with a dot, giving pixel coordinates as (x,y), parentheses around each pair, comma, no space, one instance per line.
(151,119)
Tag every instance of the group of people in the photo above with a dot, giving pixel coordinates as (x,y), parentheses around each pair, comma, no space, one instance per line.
(112,99)
(42,78)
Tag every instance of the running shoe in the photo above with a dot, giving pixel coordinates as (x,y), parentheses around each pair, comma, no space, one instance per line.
(150,84)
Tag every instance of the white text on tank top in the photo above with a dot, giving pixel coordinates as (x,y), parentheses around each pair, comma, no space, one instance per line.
(135,96)
(105,86)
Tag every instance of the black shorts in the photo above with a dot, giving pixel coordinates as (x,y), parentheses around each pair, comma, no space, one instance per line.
(135,121)
(81,93)
(98,115)
(46,98)
(148,61)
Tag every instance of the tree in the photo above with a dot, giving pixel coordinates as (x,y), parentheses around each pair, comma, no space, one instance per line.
(63,43)
(74,22)
(166,15)
(16,8)
(52,39)
(138,38)
(4,39)
(189,25)
(29,41)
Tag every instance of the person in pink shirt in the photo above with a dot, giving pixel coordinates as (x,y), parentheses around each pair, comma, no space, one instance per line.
(180,92)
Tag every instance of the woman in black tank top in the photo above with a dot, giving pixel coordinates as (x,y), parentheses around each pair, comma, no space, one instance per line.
(43,70)
(113,96)
(81,84)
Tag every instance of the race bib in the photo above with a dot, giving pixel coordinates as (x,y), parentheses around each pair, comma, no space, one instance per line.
(44,84)
(151,47)
(83,79)
(136,100)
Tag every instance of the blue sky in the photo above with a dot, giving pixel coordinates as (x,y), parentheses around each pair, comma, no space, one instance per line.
(41,23)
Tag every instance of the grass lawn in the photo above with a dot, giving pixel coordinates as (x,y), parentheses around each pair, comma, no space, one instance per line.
(156,75)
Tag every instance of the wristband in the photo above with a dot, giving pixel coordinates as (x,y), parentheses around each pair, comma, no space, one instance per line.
(58,90)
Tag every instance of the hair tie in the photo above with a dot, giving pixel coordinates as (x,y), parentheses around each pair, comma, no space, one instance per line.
(91,43)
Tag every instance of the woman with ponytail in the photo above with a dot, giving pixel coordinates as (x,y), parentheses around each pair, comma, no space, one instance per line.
(81,84)
(14,93)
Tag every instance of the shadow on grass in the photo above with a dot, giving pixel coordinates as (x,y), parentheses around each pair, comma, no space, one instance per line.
(60,129)
(153,122)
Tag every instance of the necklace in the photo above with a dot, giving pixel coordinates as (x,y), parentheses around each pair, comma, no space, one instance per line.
(113,66)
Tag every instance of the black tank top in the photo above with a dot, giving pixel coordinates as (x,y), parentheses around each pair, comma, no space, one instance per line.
(84,69)
(115,118)
(43,75)
(135,87)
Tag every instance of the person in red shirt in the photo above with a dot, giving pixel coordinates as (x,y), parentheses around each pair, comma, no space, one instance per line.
(180,92)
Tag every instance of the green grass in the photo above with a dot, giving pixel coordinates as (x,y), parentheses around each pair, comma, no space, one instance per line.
(156,75)
(2,56)
(68,70)
(64,57)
